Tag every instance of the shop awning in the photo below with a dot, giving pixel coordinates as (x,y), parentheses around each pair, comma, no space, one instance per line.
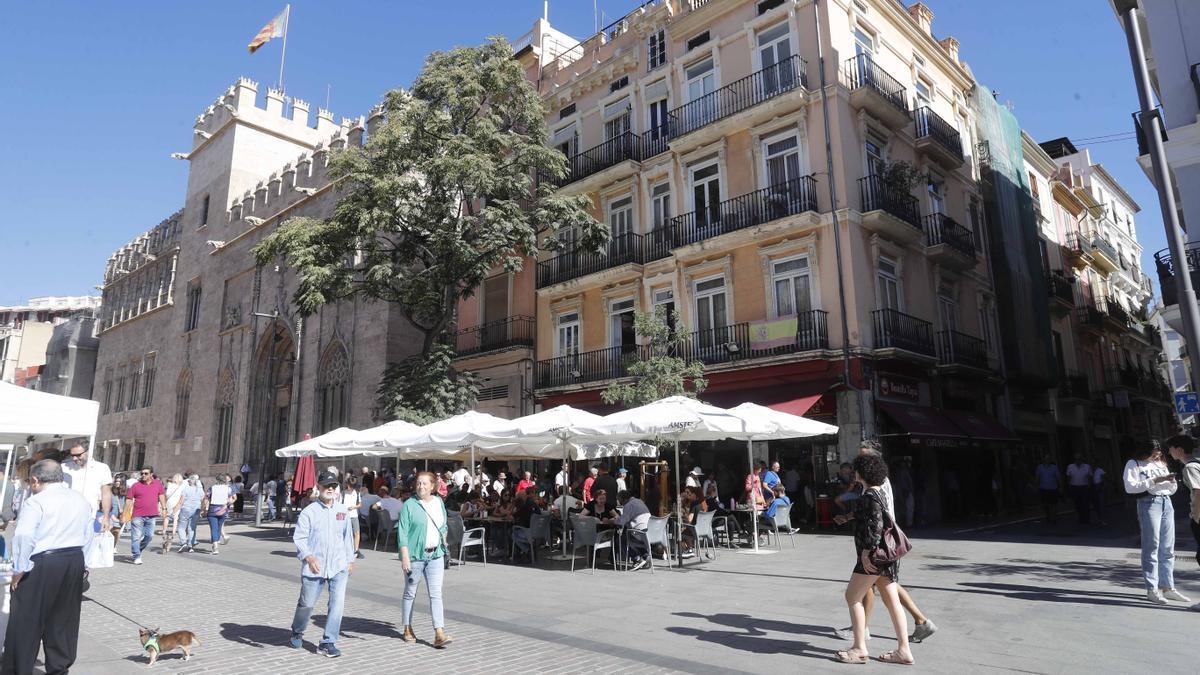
(980,427)
(919,420)
(794,399)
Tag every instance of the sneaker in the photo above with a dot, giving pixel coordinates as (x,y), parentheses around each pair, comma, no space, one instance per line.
(215,550)
(137,561)
(1195,607)
(224,539)
(1154,596)
(1175,595)
(359,555)
(296,642)
(923,631)
(847,633)
(328,649)
(640,563)
(689,554)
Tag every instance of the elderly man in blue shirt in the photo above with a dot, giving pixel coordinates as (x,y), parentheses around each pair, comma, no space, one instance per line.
(324,542)
(54,526)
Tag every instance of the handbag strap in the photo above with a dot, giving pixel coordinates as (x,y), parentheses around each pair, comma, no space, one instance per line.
(442,529)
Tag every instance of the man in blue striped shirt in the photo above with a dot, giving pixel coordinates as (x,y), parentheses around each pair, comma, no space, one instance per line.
(325,546)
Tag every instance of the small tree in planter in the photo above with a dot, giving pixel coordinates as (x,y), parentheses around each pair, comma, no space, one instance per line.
(901,177)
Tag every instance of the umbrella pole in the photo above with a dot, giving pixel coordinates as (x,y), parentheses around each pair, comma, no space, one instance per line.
(753,501)
(678,500)
(471,474)
(8,461)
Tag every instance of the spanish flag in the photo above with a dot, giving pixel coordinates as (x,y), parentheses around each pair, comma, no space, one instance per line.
(275,28)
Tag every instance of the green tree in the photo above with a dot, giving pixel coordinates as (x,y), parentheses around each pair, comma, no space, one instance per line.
(444,193)
(662,373)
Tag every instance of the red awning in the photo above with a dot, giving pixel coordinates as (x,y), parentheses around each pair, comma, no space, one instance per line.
(796,399)
(980,426)
(919,420)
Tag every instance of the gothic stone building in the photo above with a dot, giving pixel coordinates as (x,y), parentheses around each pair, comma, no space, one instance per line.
(204,361)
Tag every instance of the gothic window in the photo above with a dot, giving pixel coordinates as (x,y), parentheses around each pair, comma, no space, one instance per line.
(148,381)
(333,388)
(183,395)
(226,395)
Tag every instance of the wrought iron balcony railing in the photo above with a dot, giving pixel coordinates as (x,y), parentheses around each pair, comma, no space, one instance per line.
(930,124)
(733,98)
(943,229)
(876,194)
(1168,268)
(955,348)
(513,331)
(1061,288)
(749,210)
(621,249)
(861,71)
(895,329)
(1073,384)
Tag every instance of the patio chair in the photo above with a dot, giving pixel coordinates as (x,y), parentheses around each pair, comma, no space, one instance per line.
(454,534)
(656,533)
(782,522)
(539,529)
(587,536)
(703,530)
(726,526)
(476,536)
(386,528)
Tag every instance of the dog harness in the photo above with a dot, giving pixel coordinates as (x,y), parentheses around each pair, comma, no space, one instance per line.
(152,643)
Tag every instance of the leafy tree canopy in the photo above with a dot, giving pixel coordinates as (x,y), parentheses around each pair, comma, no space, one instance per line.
(659,373)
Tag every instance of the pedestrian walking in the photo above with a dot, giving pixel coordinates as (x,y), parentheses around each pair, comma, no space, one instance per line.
(1049,488)
(422,537)
(92,479)
(175,486)
(1099,492)
(1151,482)
(239,496)
(871,515)
(216,506)
(55,525)
(189,513)
(149,501)
(325,546)
(1079,484)
(351,499)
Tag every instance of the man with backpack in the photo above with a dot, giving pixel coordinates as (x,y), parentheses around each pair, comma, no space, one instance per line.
(1183,449)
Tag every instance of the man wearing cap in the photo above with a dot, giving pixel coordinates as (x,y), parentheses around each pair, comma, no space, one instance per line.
(622,482)
(325,546)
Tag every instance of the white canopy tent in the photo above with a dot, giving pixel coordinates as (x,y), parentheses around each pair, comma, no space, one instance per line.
(29,416)
(317,446)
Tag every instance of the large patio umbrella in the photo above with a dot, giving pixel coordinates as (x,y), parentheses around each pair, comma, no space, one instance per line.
(676,418)
(367,439)
(321,445)
(785,425)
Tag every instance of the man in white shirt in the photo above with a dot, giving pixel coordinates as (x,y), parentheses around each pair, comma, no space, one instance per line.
(1079,483)
(622,482)
(90,478)
(460,476)
(561,477)
(390,503)
(351,499)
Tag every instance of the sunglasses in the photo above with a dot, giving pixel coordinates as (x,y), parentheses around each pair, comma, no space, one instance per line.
(145,473)
(78,454)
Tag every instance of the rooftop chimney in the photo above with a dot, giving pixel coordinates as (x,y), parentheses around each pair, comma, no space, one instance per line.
(921,13)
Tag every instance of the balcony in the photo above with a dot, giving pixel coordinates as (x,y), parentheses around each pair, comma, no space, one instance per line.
(1143,142)
(781,200)
(874,90)
(937,139)
(1118,318)
(626,147)
(1167,268)
(622,249)
(583,367)
(960,349)
(1104,254)
(1122,378)
(1073,385)
(896,330)
(1091,318)
(1078,250)
(494,336)
(888,211)
(1062,293)
(738,96)
(949,243)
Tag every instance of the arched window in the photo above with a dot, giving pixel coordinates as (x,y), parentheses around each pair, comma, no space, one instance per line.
(333,388)
(183,396)
(226,396)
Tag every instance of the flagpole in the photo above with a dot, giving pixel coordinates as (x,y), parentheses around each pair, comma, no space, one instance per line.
(287,18)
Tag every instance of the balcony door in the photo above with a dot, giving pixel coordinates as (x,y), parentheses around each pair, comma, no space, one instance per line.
(783,165)
(937,199)
(775,57)
(620,326)
(701,81)
(712,321)
(887,279)
(706,196)
(617,118)
(567,259)
(567,343)
(494,310)
(792,287)
(947,308)
(620,227)
(664,302)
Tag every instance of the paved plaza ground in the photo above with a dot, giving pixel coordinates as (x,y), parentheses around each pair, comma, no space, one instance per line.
(1020,598)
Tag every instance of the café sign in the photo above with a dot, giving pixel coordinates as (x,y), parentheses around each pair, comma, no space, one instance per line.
(898,388)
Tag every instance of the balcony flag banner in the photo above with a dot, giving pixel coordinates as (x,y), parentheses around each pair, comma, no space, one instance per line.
(276,27)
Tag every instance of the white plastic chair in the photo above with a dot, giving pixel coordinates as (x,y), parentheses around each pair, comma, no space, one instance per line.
(587,536)
(703,530)
(656,533)
(476,536)
(782,522)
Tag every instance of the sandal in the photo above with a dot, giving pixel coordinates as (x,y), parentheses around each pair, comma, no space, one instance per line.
(894,656)
(845,656)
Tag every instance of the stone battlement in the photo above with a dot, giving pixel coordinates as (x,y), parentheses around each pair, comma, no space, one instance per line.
(144,248)
(240,101)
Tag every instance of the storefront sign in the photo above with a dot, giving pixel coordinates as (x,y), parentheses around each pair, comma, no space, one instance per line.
(897,388)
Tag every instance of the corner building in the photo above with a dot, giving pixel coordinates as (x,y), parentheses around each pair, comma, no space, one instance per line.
(696,129)
(204,362)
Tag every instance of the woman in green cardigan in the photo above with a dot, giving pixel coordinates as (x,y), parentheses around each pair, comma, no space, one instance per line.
(422,536)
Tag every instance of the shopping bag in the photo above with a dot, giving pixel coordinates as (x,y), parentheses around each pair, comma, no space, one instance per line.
(99,551)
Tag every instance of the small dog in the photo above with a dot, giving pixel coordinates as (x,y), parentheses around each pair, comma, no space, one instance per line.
(156,643)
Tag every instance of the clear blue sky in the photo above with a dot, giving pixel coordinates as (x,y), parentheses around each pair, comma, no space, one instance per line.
(96,96)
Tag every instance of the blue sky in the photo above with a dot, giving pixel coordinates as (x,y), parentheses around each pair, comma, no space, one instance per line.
(96,96)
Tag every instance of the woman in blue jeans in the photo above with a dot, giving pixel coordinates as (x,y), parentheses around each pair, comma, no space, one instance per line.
(1148,478)
(216,506)
(422,536)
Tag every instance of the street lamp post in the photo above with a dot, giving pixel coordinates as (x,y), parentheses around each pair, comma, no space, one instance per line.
(1150,117)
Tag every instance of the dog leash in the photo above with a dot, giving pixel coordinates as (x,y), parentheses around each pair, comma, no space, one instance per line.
(117,613)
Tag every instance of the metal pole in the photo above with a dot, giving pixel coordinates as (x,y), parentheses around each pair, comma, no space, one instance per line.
(679,516)
(287,17)
(753,501)
(1162,179)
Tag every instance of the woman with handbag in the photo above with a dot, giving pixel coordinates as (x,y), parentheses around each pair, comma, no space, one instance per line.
(879,544)
(422,536)
(216,505)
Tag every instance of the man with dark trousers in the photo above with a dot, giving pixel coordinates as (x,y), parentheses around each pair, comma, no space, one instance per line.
(47,584)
